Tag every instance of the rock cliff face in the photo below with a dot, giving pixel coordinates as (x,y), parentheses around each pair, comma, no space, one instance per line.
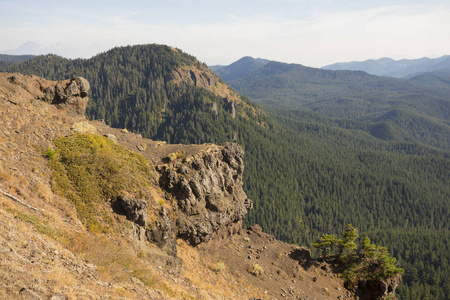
(200,77)
(380,289)
(208,191)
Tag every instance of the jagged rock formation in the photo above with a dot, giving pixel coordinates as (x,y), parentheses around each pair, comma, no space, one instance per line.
(134,209)
(68,95)
(208,191)
(203,79)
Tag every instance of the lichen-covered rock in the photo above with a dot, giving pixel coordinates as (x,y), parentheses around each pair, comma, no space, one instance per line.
(208,191)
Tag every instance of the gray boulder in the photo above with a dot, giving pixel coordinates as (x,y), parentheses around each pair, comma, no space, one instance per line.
(70,95)
(134,209)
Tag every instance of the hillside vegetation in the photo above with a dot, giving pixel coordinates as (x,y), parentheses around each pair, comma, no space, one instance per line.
(306,172)
(394,68)
(415,110)
(6,59)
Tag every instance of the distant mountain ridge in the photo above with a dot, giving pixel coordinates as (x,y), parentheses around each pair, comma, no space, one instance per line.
(32,48)
(14,58)
(421,102)
(6,59)
(239,68)
(394,68)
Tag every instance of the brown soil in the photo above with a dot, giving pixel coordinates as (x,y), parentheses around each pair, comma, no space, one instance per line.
(283,276)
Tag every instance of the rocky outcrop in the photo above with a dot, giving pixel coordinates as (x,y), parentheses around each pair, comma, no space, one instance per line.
(199,76)
(202,79)
(257,230)
(208,191)
(378,289)
(70,95)
(134,209)
(230,107)
(163,233)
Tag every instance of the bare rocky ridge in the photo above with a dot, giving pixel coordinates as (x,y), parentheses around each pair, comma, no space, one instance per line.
(181,241)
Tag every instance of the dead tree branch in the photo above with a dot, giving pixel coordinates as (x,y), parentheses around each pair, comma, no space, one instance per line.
(17,200)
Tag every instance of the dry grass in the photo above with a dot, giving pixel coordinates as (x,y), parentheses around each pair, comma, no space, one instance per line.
(114,260)
(117,262)
(121,291)
(62,277)
(45,192)
(6,176)
(202,273)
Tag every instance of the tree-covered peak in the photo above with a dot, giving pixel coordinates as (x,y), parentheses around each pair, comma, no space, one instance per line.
(159,54)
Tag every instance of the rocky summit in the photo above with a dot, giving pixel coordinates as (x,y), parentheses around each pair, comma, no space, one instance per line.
(93,212)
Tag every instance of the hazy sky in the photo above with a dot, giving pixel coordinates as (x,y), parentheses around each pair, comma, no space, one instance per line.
(309,32)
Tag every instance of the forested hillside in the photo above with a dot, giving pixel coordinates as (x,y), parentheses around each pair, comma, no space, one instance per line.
(6,59)
(307,173)
(416,110)
(394,68)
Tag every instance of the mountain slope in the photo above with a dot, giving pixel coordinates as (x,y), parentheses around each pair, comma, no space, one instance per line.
(307,174)
(14,58)
(144,88)
(239,68)
(10,59)
(370,110)
(439,79)
(112,228)
(354,96)
(393,68)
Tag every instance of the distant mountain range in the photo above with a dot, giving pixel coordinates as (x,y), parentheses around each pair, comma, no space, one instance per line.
(32,48)
(394,68)
(413,110)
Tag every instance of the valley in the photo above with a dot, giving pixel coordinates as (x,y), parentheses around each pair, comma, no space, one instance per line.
(323,149)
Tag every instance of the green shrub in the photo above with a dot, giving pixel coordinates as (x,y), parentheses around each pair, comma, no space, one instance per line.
(89,168)
(176,155)
(219,267)
(256,270)
(50,153)
(369,262)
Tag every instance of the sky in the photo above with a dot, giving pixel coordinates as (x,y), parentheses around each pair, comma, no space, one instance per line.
(313,33)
